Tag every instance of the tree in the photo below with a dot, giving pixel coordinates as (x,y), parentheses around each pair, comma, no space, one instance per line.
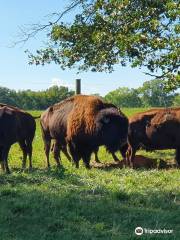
(7,96)
(153,95)
(28,99)
(176,101)
(124,97)
(108,32)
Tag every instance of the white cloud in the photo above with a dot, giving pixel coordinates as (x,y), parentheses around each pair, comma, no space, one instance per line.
(59,82)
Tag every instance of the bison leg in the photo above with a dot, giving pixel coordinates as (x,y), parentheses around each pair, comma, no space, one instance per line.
(86,159)
(123,150)
(96,155)
(1,160)
(115,157)
(74,154)
(56,151)
(77,163)
(64,150)
(178,156)
(5,158)
(47,146)
(29,149)
(130,155)
(2,166)
(24,150)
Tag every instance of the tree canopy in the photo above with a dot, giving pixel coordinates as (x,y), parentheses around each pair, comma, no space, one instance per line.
(108,32)
(151,94)
(124,97)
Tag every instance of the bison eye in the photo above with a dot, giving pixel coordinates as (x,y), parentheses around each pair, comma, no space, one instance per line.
(106,120)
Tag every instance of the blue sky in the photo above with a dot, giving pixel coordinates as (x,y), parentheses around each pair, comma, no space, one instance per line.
(15,73)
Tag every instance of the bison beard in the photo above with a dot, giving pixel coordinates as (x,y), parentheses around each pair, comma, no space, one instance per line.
(84,123)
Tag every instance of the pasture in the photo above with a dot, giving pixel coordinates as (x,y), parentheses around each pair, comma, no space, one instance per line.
(71,203)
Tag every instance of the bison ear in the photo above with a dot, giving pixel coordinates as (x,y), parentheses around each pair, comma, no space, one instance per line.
(106,120)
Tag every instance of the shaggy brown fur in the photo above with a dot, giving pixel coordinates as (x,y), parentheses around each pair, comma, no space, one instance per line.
(82,118)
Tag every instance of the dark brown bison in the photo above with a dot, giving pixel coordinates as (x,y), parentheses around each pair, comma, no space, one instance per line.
(8,132)
(148,163)
(84,123)
(19,126)
(156,129)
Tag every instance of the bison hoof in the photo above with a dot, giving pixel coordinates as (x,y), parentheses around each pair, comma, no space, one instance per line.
(8,171)
(77,165)
(88,167)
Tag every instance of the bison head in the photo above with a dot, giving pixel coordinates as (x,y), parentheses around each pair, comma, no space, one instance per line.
(112,128)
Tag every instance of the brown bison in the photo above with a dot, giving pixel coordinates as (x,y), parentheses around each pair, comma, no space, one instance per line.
(84,123)
(156,129)
(148,163)
(15,126)
(140,162)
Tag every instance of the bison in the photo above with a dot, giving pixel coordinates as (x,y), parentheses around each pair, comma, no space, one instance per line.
(156,129)
(8,132)
(148,163)
(19,126)
(140,162)
(84,123)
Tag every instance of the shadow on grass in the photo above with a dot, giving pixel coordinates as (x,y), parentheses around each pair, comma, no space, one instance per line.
(54,211)
(38,176)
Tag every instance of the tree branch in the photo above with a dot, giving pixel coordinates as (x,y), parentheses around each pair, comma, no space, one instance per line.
(27,33)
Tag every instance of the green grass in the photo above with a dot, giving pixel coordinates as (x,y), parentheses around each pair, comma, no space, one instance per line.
(75,204)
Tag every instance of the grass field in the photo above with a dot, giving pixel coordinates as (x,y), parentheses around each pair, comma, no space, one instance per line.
(70,204)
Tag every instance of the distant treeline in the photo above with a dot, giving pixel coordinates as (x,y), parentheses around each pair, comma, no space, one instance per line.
(151,94)
(38,100)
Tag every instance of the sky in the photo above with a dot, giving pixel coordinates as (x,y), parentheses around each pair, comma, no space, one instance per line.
(16,73)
